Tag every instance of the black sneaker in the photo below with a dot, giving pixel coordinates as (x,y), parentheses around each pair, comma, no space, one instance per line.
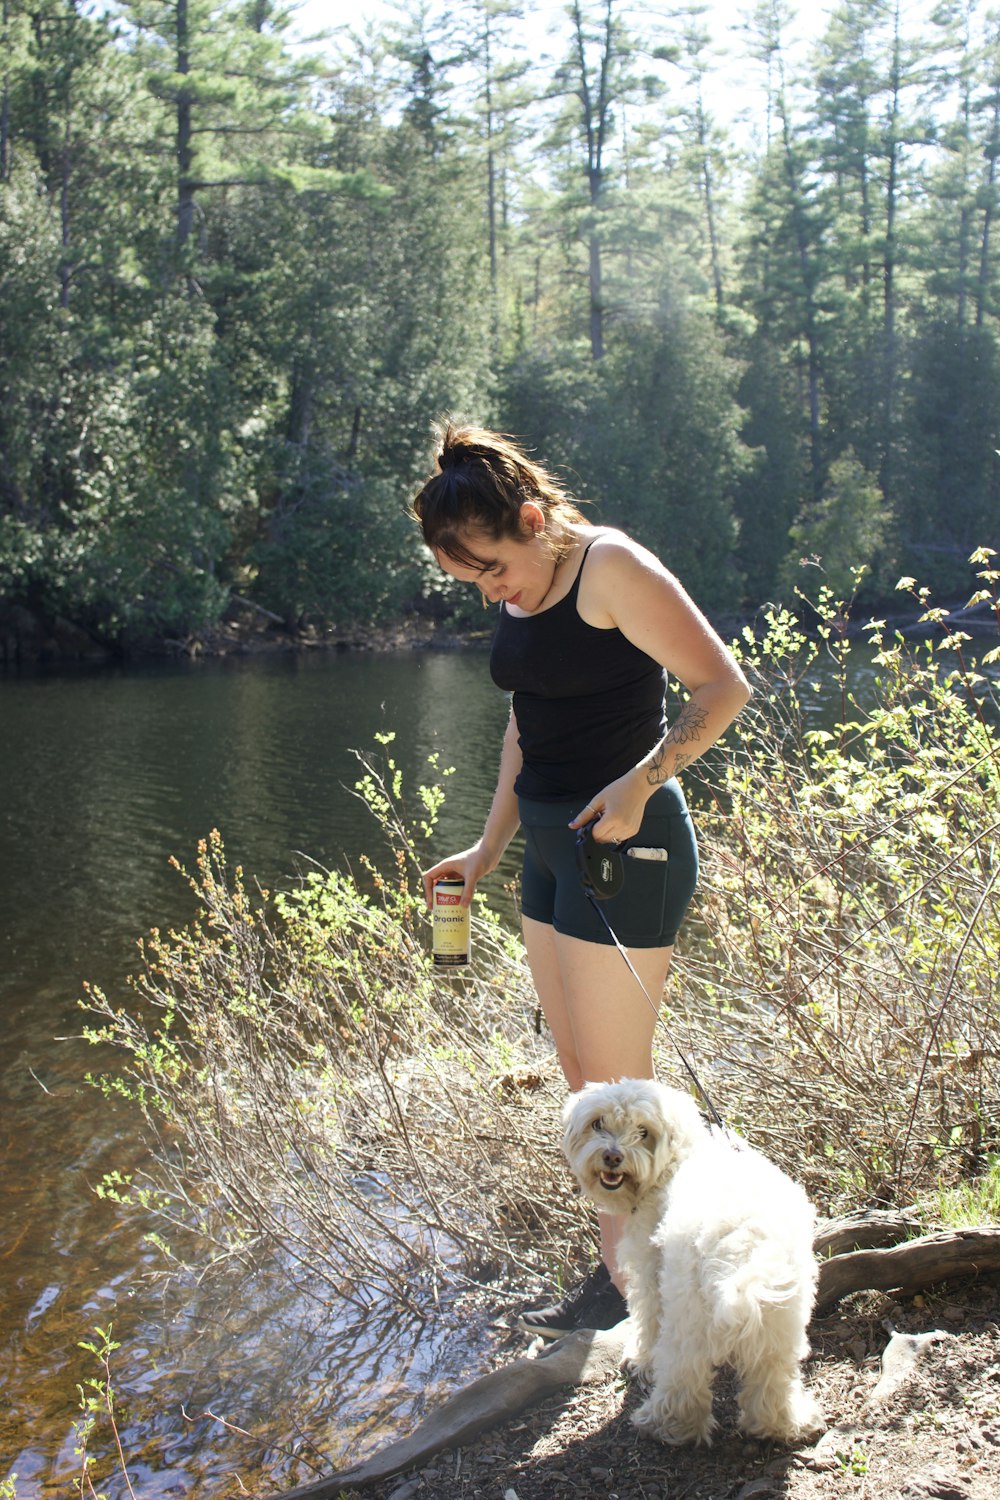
(596,1303)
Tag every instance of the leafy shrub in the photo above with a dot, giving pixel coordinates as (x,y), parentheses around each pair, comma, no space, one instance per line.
(843,987)
(311,1085)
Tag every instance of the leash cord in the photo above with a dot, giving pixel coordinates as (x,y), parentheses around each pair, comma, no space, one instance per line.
(716,1117)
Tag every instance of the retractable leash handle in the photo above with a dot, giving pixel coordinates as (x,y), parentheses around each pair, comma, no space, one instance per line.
(602,874)
(600,865)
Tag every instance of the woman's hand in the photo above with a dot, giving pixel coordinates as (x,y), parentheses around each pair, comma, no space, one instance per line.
(471,865)
(616,812)
(501,825)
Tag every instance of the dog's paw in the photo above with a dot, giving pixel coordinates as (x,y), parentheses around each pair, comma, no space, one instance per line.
(657,1419)
(637,1356)
(639,1369)
(810,1423)
(799,1421)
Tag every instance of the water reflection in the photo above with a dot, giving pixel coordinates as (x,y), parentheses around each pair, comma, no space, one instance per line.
(106,774)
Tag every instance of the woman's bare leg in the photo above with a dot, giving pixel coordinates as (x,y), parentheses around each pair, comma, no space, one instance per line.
(601,1022)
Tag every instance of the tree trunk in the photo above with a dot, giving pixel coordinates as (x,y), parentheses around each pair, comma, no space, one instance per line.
(64,270)
(185,184)
(809,328)
(5,107)
(491,167)
(992,151)
(709,196)
(596,297)
(596,119)
(887,476)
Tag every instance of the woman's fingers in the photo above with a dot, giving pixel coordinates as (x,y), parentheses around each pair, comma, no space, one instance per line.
(466,866)
(588,814)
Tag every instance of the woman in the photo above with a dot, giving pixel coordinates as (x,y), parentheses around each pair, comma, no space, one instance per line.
(590,624)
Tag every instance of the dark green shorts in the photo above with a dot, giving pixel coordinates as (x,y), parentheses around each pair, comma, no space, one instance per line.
(648,910)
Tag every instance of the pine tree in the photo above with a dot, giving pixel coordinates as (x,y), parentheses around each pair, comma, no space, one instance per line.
(783,258)
(233,106)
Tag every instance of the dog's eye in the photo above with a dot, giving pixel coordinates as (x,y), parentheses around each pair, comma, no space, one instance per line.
(643,1133)
(598,1125)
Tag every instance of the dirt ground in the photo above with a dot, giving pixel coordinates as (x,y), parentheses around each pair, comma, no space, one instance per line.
(935,1437)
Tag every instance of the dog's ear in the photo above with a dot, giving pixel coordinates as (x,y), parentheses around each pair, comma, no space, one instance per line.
(573,1111)
(680,1127)
(569,1105)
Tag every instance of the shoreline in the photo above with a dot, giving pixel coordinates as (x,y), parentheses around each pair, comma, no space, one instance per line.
(28,640)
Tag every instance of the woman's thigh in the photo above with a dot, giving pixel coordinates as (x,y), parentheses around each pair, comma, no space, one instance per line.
(601,1021)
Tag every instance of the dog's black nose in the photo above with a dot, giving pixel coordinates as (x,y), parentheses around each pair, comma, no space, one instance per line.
(612,1160)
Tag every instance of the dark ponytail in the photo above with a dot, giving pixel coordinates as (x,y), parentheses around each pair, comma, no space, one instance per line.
(483,479)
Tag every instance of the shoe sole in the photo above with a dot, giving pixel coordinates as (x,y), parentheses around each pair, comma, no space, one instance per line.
(561,1333)
(542,1333)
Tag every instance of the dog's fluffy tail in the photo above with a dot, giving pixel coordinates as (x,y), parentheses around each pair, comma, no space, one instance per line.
(745,1292)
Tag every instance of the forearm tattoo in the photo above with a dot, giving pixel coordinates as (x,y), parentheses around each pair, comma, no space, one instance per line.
(686,730)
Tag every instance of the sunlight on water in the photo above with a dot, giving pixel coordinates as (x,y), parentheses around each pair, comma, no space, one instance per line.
(109,773)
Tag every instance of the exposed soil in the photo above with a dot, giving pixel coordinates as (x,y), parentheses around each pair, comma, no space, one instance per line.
(936,1435)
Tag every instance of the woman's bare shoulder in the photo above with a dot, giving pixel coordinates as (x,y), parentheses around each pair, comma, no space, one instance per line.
(617,556)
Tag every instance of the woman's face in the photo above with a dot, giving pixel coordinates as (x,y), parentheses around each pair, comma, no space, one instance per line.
(517,571)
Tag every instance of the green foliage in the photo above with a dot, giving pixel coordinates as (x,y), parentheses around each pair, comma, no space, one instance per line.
(850,907)
(304,1075)
(98,1404)
(651,435)
(950,469)
(241,280)
(973,1202)
(854,1461)
(842,531)
(337,551)
(769,492)
(137,551)
(664,446)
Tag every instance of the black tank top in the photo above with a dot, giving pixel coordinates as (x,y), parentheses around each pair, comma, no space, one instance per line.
(588,704)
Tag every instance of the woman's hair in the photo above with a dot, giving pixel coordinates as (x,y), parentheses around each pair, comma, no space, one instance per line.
(483,479)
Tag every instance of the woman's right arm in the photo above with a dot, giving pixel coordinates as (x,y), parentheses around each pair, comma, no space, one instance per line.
(502,823)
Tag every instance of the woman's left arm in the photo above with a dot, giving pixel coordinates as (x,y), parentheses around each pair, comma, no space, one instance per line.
(632,589)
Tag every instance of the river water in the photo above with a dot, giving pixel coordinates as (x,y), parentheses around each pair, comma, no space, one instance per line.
(106,773)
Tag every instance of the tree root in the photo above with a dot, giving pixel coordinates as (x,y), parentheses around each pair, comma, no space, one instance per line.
(911,1266)
(900,1359)
(579,1359)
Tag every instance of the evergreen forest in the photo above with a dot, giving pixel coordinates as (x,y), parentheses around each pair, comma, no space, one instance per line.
(243,272)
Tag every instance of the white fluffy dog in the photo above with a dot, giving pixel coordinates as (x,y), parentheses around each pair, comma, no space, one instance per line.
(716,1253)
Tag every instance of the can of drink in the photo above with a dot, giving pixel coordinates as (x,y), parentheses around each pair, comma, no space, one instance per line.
(452,941)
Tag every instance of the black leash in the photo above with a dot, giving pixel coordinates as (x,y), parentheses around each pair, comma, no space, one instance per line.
(602,874)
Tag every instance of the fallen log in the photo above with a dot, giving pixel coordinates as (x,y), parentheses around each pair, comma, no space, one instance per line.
(912,1266)
(865,1230)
